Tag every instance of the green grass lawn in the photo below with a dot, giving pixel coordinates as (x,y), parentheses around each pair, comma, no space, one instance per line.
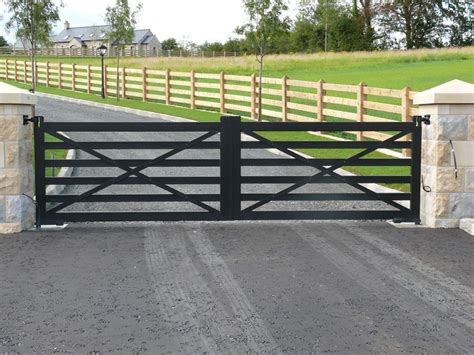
(418,69)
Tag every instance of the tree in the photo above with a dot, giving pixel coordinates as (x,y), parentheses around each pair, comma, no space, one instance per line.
(420,21)
(122,21)
(365,16)
(212,47)
(33,21)
(3,42)
(234,45)
(265,25)
(169,44)
(329,25)
(459,24)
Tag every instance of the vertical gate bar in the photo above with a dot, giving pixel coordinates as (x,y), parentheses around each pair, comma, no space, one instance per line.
(416,170)
(230,168)
(39,171)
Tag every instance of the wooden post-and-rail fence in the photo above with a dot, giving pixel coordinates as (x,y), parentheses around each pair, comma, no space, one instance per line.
(283,99)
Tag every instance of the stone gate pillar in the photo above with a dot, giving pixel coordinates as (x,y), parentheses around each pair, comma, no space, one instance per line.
(17,211)
(448,142)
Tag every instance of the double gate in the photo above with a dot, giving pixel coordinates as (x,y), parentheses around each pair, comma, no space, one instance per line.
(216,176)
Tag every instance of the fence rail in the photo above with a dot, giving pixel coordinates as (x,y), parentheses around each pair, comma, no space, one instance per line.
(283,99)
(127,52)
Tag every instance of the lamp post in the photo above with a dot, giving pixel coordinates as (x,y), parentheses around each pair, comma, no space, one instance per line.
(102,51)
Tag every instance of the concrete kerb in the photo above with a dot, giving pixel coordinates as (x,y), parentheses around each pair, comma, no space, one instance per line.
(374,187)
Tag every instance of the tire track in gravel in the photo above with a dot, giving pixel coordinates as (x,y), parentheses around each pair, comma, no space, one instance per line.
(241,306)
(351,259)
(446,302)
(184,297)
(449,284)
(172,299)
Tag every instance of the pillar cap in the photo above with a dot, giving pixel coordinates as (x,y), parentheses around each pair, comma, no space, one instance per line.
(452,92)
(11,95)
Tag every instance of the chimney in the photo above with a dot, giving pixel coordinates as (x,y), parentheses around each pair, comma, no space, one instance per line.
(67,25)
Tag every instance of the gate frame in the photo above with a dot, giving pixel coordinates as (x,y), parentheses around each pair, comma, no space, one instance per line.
(231,146)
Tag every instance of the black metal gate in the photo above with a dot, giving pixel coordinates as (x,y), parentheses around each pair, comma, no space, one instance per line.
(227,142)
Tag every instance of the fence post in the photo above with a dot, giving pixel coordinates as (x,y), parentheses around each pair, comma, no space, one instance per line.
(7,70)
(230,168)
(124,83)
(60,75)
(88,78)
(47,74)
(321,100)
(73,77)
(144,84)
(167,87)
(361,111)
(284,98)
(406,105)
(253,97)
(193,89)
(16,71)
(222,91)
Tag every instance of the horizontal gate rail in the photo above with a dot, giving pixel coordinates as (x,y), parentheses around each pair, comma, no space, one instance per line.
(329,197)
(204,180)
(128,216)
(130,127)
(216,163)
(244,197)
(132,145)
(325,215)
(90,163)
(326,145)
(326,126)
(174,180)
(326,162)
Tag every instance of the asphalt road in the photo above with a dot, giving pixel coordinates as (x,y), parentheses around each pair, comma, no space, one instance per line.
(238,287)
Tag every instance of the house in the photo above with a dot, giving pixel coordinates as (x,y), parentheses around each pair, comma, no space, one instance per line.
(86,40)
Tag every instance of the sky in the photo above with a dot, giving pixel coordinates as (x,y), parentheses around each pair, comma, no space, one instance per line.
(190,20)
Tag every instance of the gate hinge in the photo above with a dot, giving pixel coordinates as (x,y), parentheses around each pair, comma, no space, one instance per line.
(34,119)
(426,119)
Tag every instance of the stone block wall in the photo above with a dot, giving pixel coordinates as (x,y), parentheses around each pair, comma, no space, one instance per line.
(17,211)
(451,197)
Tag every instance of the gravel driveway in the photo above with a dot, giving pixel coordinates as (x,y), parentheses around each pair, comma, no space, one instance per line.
(219,288)
(237,287)
(59,111)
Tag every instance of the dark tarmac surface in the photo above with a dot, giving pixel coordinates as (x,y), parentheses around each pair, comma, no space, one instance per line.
(235,287)
(263,287)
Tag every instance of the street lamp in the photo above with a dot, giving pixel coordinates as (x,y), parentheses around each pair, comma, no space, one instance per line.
(102,51)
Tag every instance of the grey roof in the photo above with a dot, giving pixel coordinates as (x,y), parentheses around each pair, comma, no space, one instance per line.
(97,33)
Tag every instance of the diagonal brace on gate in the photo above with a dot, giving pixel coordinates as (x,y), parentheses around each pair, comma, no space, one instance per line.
(136,171)
(325,171)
